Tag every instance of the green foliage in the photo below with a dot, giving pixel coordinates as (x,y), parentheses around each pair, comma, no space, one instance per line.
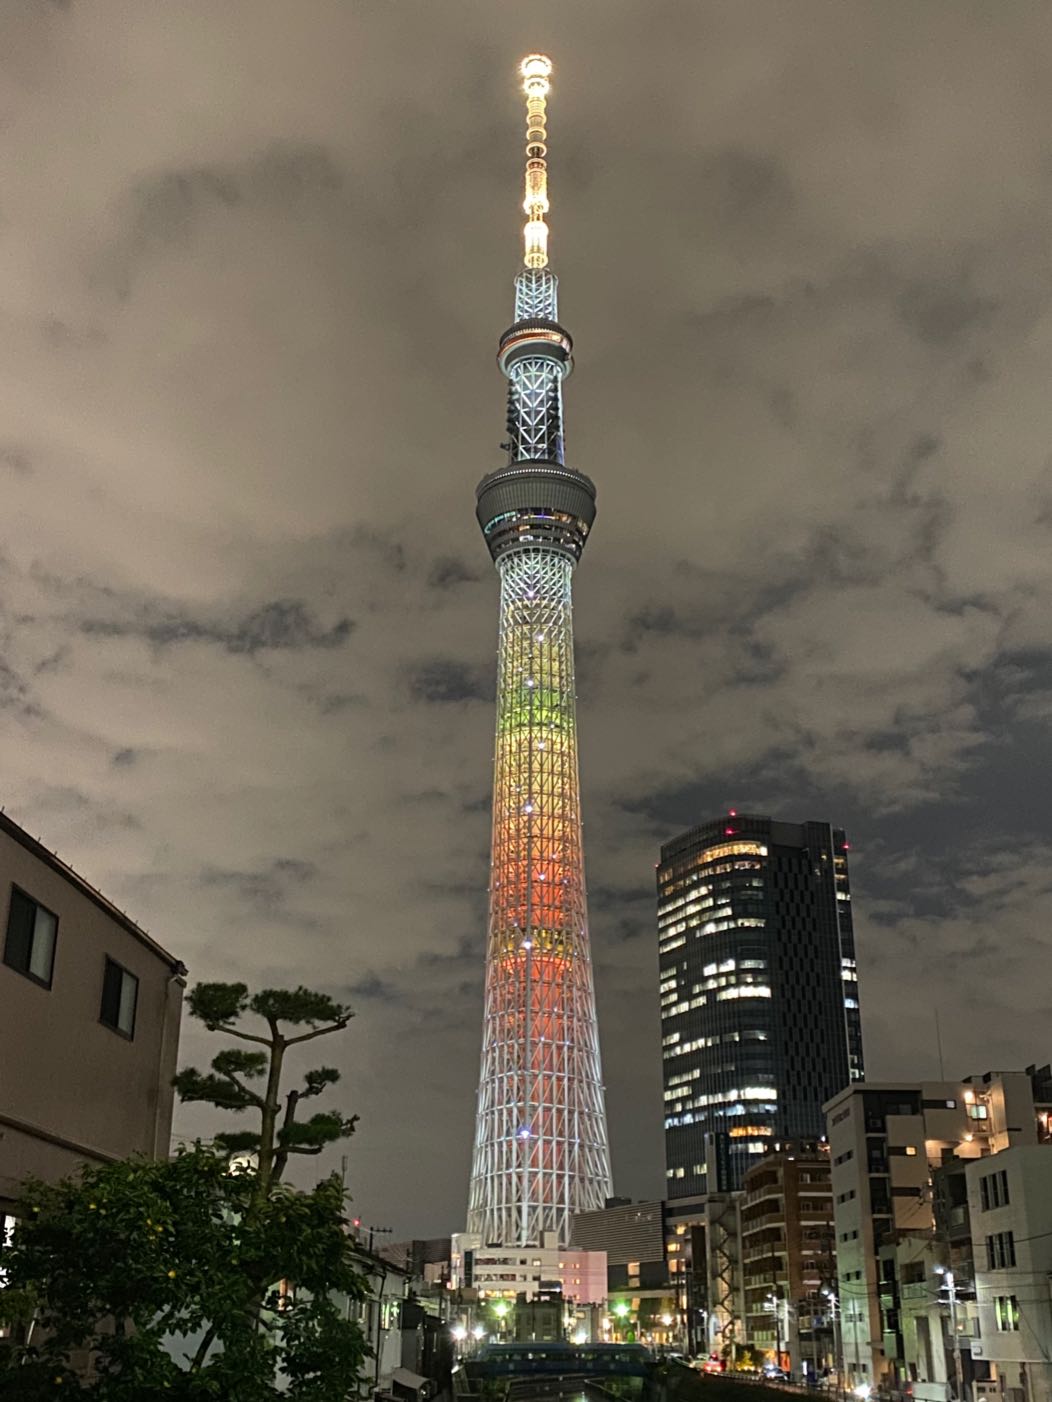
(223,1091)
(317,1080)
(130,1253)
(298,1006)
(217,1003)
(311,1136)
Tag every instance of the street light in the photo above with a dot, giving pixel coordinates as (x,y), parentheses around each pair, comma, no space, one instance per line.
(951,1290)
(838,1336)
(459,1332)
(479,1331)
(773,1304)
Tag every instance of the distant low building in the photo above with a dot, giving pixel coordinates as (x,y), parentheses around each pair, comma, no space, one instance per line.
(425,1258)
(89,1023)
(380,1314)
(507,1272)
(633,1237)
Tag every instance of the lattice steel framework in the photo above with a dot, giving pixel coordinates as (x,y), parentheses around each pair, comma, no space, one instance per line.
(540,1144)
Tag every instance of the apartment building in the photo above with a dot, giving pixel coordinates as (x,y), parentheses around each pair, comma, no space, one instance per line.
(787,1257)
(900,1155)
(1010,1206)
(89,1023)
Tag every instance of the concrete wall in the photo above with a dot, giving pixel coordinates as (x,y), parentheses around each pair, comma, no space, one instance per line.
(71,1088)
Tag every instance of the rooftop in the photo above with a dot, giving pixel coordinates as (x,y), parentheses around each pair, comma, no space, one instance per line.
(34,846)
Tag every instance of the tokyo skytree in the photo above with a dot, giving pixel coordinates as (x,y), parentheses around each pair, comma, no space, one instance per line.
(541,1150)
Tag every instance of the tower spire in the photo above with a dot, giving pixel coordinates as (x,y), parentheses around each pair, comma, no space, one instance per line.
(536,69)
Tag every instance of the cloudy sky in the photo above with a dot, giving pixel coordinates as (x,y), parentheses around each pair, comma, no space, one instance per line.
(255,258)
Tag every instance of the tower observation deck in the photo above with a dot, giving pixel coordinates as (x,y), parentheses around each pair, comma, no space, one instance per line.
(541,1150)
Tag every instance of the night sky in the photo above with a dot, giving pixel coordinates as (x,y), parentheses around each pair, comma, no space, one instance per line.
(255,258)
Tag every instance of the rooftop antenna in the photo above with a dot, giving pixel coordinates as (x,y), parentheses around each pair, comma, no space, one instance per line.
(938,1043)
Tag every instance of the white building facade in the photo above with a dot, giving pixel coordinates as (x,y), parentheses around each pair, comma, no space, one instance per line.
(510,1271)
(1010,1204)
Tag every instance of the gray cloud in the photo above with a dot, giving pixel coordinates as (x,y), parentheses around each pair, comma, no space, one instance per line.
(266,888)
(450,571)
(447,679)
(282,624)
(171,207)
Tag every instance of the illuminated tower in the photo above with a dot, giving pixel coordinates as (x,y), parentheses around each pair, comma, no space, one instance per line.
(540,1141)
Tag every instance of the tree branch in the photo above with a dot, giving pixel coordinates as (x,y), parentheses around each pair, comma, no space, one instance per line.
(281,1157)
(245,1091)
(245,1036)
(202,1349)
(318,1032)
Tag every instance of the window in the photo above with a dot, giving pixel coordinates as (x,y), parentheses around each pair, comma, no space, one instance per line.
(30,945)
(120,992)
(1006,1309)
(911,1151)
(993,1190)
(7,1234)
(1000,1251)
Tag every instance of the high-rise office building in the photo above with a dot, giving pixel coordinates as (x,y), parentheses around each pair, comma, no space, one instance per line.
(759,992)
(540,1144)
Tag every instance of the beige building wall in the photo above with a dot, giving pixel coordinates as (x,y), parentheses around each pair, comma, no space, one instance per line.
(71,1088)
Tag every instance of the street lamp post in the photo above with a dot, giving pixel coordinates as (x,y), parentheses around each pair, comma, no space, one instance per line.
(772,1304)
(838,1337)
(951,1291)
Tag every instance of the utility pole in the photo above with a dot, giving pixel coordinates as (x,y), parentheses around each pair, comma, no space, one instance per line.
(951,1291)
(838,1337)
(774,1304)
(378,1231)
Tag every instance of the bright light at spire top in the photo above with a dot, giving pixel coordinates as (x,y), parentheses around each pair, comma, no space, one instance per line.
(536,70)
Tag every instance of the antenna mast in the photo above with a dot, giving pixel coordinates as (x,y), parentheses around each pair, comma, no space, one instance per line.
(536,69)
